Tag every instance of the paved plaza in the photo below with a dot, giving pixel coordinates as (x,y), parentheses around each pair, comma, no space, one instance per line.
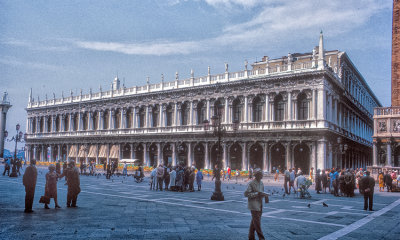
(120,208)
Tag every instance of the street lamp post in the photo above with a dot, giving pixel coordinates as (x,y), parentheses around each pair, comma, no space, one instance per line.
(17,138)
(218,131)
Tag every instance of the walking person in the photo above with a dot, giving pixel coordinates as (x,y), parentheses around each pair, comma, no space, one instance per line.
(292,177)
(388,181)
(199,179)
(318,182)
(160,175)
(381,182)
(192,176)
(367,186)
(73,183)
(167,170)
(276,175)
(29,181)
(255,194)
(153,179)
(286,180)
(7,166)
(51,186)
(325,181)
(172,179)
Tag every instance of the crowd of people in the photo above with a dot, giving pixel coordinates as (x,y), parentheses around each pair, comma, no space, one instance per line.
(178,178)
(10,163)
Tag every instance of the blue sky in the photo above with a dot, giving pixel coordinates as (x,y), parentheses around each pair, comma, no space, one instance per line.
(55,46)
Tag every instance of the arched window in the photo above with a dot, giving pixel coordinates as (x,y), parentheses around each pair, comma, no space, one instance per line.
(66,122)
(219,109)
(49,124)
(41,124)
(184,114)
(141,117)
(155,115)
(85,121)
(236,110)
(95,118)
(302,107)
(169,113)
(106,119)
(34,125)
(76,122)
(201,112)
(57,123)
(257,110)
(129,118)
(279,105)
(117,119)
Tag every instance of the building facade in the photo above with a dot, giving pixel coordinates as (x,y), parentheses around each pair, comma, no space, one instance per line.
(302,110)
(386,139)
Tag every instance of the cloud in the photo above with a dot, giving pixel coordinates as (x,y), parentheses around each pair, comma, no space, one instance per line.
(17,63)
(270,21)
(36,46)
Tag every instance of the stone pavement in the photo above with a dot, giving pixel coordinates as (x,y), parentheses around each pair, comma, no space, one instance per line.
(123,209)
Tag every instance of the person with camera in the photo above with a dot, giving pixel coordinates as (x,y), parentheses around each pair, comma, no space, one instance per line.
(255,194)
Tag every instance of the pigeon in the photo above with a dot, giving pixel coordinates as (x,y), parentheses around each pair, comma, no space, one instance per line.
(309,205)
(75,231)
(283,196)
(282,189)
(112,229)
(324,204)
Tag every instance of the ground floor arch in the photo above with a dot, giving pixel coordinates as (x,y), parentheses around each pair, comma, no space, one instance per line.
(278,156)
(235,153)
(126,151)
(301,153)
(167,154)
(199,157)
(182,154)
(153,155)
(256,156)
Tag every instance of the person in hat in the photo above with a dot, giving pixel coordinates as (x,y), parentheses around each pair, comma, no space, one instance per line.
(367,188)
(255,194)
(72,173)
(51,185)
(29,181)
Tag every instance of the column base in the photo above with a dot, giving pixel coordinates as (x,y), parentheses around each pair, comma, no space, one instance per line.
(217,194)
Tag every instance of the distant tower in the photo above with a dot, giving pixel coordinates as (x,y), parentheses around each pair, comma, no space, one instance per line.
(116,83)
(396,54)
(4,106)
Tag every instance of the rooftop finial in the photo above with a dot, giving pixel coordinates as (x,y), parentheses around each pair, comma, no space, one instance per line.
(148,80)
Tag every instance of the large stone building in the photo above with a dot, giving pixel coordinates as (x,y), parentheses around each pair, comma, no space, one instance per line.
(386,149)
(302,110)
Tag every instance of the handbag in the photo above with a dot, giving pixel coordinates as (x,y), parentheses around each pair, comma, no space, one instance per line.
(44,199)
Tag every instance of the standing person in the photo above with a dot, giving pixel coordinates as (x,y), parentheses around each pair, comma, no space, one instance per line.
(167,170)
(179,179)
(125,169)
(286,180)
(58,167)
(81,167)
(153,179)
(318,182)
(7,165)
(276,174)
(19,166)
(199,179)
(172,179)
(51,186)
(367,185)
(381,182)
(228,172)
(292,177)
(237,173)
(312,174)
(255,194)
(192,176)
(160,175)
(388,181)
(108,173)
(29,181)
(73,184)
(342,184)
(324,179)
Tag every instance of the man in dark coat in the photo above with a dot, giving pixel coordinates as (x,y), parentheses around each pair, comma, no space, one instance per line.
(29,181)
(388,181)
(367,187)
(192,176)
(72,173)
(318,181)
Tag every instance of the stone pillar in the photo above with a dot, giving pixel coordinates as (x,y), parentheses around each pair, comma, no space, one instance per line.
(108,153)
(189,156)
(80,122)
(90,121)
(375,154)
(70,122)
(321,160)
(288,155)
(134,124)
(145,155)
(224,155)
(100,120)
(132,146)
(175,122)
(265,157)
(289,108)
(267,119)
(329,160)
(159,157)
(120,152)
(173,154)
(226,110)
(206,156)
(388,154)
(58,152)
(111,123)
(321,116)
(208,110)
(191,113)
(313,160)
(314,105)
(123,119)
(146,118)
(245,110)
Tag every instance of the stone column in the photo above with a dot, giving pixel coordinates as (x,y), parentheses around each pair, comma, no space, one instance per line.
(132,146)
(313,160)
(226,110)
(189,156)
(58,152)
(173,154)
(80,127)
(206,157)
(389,154)
(265,157)
(146,120)
(191,113)
(120,151)
(266,108)
(111,124)
(134,124)
(100,120)
(159,159)
(246,113)
(145,155)
(162,116)
(245,163)
(321,116)
(375,154)
(329,163)
(175,122)
(123,118)
(314,105)
(321,160)
(289,108)
(90,121)
(288,155)
(108,153)
(208,110)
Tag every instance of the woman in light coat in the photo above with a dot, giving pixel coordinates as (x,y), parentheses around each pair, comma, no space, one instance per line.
(172,178)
